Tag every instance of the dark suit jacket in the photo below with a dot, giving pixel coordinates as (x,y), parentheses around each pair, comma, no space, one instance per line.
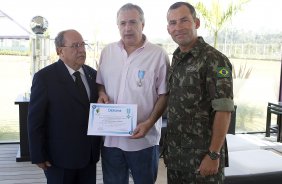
(58,118)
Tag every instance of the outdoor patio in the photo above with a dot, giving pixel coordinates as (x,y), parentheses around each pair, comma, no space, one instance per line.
(12,172)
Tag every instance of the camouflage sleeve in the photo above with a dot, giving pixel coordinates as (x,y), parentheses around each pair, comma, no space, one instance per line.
(220,83)
(223,104)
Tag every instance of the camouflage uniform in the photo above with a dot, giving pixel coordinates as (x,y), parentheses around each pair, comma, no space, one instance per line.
(200,83)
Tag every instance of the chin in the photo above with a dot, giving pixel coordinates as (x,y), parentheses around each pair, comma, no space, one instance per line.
(80,61)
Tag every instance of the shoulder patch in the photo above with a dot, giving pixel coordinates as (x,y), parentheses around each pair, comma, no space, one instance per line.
(223,72)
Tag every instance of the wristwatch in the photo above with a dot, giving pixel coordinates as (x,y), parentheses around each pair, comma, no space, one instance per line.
(214,155)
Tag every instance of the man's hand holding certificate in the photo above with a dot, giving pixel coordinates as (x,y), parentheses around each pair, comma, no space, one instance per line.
(112,119)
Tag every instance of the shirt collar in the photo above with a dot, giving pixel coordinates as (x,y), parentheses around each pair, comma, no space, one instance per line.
(71,71)
(194,51)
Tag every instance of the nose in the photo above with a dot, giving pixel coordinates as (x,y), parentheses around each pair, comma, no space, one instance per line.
(128,26)
(178,25)
(81,49)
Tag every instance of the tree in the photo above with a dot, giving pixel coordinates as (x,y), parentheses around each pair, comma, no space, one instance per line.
(215,17)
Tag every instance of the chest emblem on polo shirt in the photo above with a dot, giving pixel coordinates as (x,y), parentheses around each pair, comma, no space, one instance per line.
(141,74)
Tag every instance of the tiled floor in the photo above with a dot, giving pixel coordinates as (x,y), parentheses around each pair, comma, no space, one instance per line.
(12,172)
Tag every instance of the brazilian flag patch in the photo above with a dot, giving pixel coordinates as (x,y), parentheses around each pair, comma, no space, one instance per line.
(223,72)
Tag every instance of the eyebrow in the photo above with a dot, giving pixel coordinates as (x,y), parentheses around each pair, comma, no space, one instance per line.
(130,20)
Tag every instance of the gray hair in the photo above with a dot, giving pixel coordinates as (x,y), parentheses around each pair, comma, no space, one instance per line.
(188,5)
(60,40)
(130,6)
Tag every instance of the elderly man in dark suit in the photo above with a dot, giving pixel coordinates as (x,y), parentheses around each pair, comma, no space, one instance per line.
(58,115)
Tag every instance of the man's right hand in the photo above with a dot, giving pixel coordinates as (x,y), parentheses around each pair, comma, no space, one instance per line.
(44,165)
(103,99)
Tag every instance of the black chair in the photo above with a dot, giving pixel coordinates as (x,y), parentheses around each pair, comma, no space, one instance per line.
(274,108)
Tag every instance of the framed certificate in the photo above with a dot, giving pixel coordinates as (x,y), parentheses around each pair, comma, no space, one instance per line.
(112,119)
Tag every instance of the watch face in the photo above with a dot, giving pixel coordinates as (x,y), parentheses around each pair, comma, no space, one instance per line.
(213,155)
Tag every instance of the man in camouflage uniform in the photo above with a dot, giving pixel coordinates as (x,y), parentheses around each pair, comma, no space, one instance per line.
(200,103)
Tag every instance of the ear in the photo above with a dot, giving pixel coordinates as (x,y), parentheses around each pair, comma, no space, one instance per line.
(143,24)
(59,51)
(197,23)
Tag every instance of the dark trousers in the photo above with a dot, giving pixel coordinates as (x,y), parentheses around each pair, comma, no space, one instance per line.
(86,175)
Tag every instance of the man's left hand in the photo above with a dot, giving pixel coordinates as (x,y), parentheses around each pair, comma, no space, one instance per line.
(141,130)
(208,166)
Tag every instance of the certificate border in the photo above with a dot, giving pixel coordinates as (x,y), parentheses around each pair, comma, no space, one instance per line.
(112,133)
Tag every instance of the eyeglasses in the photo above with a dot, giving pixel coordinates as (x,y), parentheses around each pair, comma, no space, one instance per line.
(76,45)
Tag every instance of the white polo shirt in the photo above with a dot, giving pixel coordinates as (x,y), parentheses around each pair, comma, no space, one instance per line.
(135,79)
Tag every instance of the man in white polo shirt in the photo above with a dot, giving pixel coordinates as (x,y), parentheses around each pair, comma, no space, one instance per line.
(133,71)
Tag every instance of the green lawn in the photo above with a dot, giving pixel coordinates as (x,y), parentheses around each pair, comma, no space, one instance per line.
(9,136)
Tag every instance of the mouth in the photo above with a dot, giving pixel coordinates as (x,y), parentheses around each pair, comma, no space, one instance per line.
(179,34)
(82,56)
(128,35)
